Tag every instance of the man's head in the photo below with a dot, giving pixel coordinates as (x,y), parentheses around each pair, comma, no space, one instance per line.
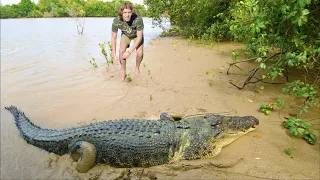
(126,11)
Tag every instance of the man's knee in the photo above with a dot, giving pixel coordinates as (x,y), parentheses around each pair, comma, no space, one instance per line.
(140,54)
(122,50)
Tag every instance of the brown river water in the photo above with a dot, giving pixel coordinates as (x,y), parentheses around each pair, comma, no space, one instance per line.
(45,71)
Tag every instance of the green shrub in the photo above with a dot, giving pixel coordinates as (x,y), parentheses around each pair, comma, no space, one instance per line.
(300,128)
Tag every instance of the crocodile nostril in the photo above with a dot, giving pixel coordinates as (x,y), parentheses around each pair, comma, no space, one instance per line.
(256,122)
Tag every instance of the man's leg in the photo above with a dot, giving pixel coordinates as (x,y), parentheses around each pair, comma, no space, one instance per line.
(139,57)
(123,46)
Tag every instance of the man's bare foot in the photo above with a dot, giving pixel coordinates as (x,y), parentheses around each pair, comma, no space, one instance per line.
(123,77)
(137,72)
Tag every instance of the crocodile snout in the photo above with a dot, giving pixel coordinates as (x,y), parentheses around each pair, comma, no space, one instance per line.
(256,122)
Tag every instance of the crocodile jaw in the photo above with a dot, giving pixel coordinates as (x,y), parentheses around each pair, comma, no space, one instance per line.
(227,138)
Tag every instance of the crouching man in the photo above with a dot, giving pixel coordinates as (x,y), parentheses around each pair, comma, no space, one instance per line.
(131,26)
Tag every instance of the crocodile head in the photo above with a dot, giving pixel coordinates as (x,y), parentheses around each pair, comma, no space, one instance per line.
(226,129)
(208,134)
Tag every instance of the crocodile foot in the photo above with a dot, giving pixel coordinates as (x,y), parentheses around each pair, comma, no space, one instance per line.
(85,153)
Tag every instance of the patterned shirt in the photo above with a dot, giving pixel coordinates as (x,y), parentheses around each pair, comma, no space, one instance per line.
(128,28)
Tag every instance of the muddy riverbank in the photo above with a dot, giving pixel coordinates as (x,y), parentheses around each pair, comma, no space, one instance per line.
(181,79)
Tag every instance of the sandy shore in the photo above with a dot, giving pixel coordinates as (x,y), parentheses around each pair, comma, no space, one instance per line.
(177,78)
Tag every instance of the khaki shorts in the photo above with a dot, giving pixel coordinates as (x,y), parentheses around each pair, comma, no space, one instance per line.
(127,40)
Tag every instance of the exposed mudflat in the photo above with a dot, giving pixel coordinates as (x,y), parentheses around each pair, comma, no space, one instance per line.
(181,79)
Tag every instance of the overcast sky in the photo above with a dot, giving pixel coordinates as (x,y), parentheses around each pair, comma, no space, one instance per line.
(4,2)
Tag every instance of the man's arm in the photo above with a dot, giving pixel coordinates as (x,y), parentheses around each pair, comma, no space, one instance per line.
(114,30)
(113,43)
(137,43)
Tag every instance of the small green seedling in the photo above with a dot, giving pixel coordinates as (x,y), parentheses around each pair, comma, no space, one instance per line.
(210,82)
(268,108)
(110,52)
(288,151)
(128,78)
(149,71)
(93,62)
(150,97)
(235,55)
(207,71)
(103,51)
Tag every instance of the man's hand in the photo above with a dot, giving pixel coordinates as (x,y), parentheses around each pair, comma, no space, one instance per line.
(126,55)
(115,59)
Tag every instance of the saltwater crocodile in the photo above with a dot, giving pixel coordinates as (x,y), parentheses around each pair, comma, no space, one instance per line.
(138,142)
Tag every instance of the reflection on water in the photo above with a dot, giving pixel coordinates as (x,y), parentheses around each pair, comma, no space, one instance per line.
(45,71)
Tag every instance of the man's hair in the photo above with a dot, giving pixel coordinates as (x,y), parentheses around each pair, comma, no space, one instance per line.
(126,5)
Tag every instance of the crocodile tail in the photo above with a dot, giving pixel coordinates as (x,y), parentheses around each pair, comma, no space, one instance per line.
(22,121)
(50,140)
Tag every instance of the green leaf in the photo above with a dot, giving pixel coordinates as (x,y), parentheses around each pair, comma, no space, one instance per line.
(300,22)
(300,131)
(288,151)
(285,125)
(263,65)
(290,123)
(293,131)
(267,112)
(305,12)
(280,101)
(259,59)
(303,110)
(305,95)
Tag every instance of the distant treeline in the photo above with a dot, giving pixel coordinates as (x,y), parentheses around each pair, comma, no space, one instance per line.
(65,8)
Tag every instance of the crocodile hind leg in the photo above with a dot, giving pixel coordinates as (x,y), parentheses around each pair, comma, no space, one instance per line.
(85,153)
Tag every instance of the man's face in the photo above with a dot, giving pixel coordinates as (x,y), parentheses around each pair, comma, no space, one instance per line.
(126,15)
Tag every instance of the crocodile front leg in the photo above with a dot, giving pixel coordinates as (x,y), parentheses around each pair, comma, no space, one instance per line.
(85,153)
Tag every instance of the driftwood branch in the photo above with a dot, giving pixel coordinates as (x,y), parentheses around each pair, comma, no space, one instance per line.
(253,72)
(248,79)
(234,63)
